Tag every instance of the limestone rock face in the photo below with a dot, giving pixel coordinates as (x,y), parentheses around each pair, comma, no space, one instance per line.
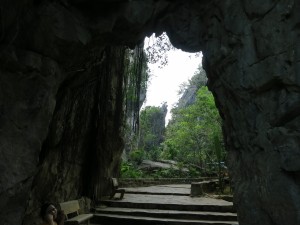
(28,83)
(84,142)
(152,124)
(188,97)
(58,126)
(254,73)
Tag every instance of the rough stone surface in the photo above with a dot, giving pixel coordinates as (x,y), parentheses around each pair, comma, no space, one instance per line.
(252,59)
(199,188)
(149,165)
(256,83)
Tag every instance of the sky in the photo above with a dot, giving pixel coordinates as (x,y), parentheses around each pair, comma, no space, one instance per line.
(164,83)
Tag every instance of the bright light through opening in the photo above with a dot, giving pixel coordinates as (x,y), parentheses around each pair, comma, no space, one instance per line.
(164,83)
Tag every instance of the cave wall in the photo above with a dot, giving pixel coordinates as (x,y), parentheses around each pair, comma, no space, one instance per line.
(252,61)
(251,56)
(84,143)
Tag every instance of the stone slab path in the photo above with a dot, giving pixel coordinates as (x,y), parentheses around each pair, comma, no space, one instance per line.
(175,189)
(172,199)
(166,205)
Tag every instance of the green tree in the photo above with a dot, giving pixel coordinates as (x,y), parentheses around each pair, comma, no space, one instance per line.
(158,48)
(194,134)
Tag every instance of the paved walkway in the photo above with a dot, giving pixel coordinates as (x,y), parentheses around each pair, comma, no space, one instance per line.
(171,199)
(164,205)
(175,189)
(169,194)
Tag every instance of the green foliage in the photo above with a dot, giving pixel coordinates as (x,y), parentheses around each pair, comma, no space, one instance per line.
(136,79)
(193,172)
(128,170)
(217,146)
(157,50)
(167,173)
(157,47)
(194,134)
(154,154)
(152,126)
(137,156)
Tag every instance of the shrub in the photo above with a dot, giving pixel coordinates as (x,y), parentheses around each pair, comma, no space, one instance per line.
(136,156)
(130,171)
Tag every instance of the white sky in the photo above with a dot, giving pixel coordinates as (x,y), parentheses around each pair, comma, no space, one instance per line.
(164,82)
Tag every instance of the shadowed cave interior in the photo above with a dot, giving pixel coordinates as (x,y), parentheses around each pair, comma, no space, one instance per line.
(62,96)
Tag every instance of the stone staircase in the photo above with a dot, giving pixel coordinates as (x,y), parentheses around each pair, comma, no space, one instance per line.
(155,209)
(116,215)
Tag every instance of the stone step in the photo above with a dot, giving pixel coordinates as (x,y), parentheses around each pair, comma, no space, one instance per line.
(169,206)
(174,189)
(151,193)
(106,219)
(174,214)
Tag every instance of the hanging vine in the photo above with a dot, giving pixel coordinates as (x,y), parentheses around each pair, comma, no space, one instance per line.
(136,84)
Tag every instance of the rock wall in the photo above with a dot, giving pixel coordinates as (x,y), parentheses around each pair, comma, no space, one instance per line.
(252,61)
(251,56)
(189,94)
(84,142)
(152,129)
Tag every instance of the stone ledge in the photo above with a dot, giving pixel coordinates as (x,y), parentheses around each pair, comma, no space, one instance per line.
(133,182)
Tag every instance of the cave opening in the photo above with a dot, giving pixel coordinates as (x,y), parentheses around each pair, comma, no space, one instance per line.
(195,114)
(60,64)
